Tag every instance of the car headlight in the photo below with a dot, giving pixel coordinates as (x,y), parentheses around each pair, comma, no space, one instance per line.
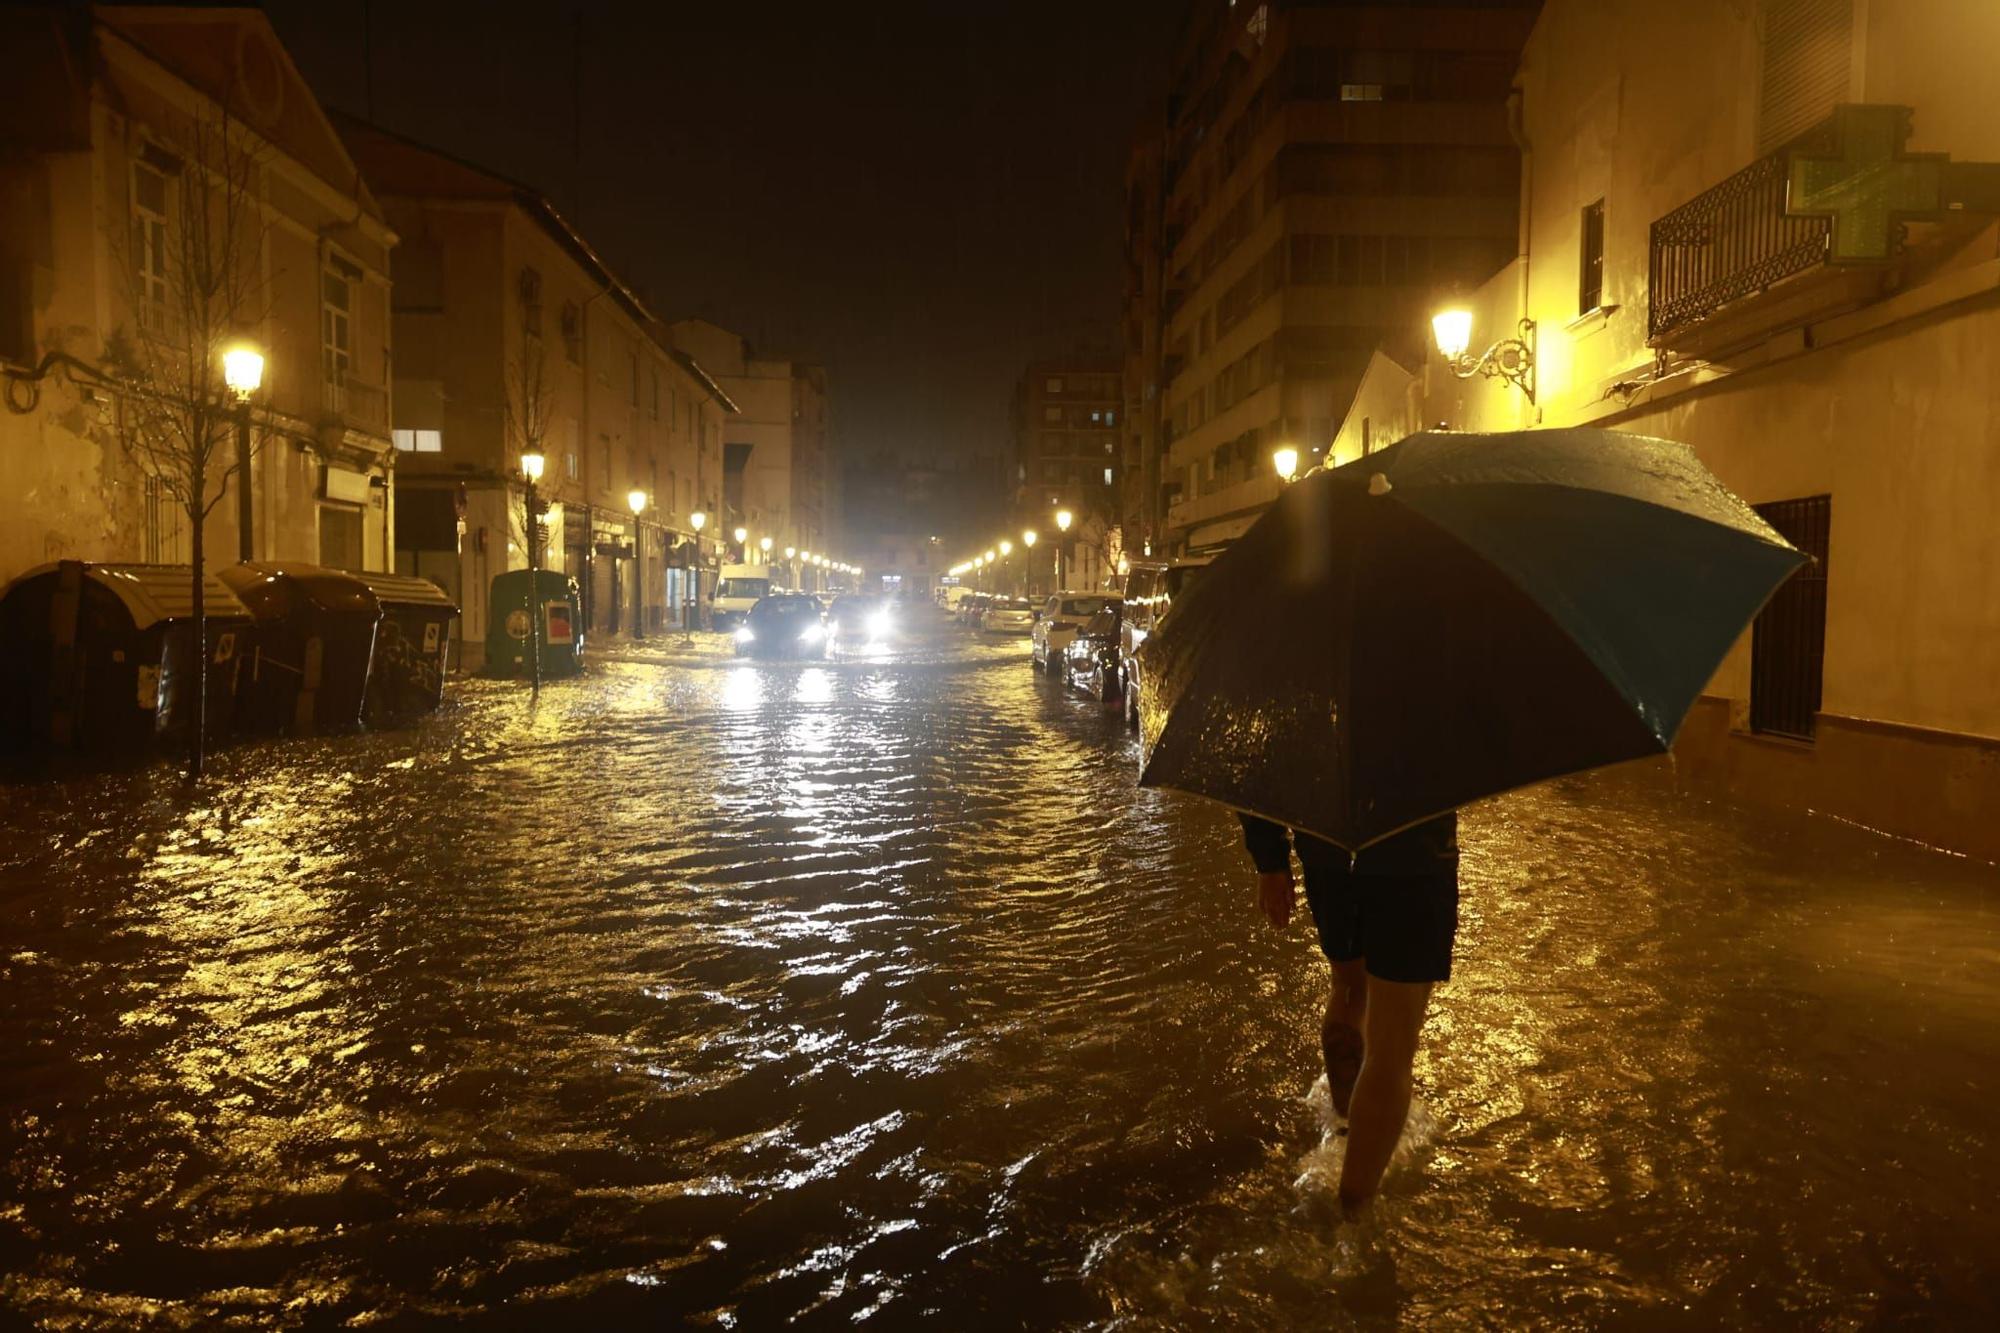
(878,624)
(812,634)
(743,634)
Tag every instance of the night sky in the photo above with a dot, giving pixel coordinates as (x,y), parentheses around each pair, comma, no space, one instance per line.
(923,197)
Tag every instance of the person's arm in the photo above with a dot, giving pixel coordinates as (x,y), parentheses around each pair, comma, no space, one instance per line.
(1270,847)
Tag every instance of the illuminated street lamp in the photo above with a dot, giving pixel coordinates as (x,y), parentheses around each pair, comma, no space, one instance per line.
(1509,359)
(742,536)
(697,520)
(764,544)
(1063,519)
(1006,547)
(243,373)
(636,498)
(1286,461)
(531,469)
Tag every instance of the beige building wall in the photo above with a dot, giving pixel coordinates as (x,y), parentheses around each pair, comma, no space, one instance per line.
(1875,385)
(491,282)
(320,481)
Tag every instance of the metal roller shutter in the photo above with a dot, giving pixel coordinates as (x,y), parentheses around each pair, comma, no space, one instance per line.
(1808,45)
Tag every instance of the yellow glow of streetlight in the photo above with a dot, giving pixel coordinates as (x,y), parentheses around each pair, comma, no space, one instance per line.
(1029,538)
(242,369)
(697,520)
(1453,330)
(1286,460)
(531,466)
(742,535)
(1006,547)
(1063,519)
(637,499)
(989,555)
(979,562)
(791,551)
(765,544)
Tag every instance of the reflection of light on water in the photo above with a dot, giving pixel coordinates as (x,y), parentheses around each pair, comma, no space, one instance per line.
(815,686)
(743,690)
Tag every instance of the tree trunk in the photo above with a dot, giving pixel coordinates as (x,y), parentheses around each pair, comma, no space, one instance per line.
(199,736)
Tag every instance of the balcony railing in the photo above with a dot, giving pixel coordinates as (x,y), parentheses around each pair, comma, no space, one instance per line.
(348,400)
(1733,241)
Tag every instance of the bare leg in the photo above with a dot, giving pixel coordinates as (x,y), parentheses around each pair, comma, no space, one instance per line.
(1381,1101)
(1340,1040)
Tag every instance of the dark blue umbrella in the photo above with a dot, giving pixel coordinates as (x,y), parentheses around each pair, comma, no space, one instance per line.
(1452,617)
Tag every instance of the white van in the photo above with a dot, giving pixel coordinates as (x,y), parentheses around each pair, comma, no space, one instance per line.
(739,588)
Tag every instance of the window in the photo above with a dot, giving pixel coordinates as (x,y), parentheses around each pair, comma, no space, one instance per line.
(1788,639)
(570,464)
(336,327)
(1052,413)
(656,394)
(1107,476)
(1590,282)
(632,366)
(149,244)
(340,540)
(572,332)
(1054,385)
(530,283)
(418,441)
(603,461)
(1807,51)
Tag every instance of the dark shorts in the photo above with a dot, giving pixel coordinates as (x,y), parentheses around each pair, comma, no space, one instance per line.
(1401,925)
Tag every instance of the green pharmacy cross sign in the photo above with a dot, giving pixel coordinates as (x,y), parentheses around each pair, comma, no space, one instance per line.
(1869,185)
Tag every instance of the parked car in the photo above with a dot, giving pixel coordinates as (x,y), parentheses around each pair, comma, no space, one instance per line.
(857,617)
(787,625)
(1090,659)
(972,608)
(1062,616)
(1009,615)
(1149,590)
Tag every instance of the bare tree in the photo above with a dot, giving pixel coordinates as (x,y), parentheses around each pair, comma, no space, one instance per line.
(529,401)
(190,250)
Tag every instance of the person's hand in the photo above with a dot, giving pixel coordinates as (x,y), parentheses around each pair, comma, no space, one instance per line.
(1275,895)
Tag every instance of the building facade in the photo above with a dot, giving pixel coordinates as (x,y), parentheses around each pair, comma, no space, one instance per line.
(138,141)
(513,336)
(777,468)
(1068,414)
(1836,368)
(1325,171)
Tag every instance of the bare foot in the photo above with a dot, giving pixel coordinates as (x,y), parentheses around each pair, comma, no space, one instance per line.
(1341,1046)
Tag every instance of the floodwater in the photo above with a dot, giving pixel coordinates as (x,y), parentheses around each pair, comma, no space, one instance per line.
(722,994)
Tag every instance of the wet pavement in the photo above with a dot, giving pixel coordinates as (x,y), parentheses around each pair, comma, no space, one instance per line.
(714,993)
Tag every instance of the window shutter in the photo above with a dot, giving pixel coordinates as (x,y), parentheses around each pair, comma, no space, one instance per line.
(1808,45)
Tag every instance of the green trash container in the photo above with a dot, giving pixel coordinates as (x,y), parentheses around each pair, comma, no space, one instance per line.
(556,608)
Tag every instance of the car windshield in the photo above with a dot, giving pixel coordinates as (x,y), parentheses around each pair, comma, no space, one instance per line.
(1014,605)
(785,606)
(853,605)
(1083,608)
(1105,622)
(744,588)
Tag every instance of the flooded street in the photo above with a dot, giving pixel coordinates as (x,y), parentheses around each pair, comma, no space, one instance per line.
(726,993)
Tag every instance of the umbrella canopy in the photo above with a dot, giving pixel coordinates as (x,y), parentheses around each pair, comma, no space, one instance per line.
(1452,617)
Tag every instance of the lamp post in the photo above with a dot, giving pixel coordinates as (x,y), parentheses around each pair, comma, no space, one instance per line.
(1063,519)
(1286,461)
(531,469)
(637,499)
(1028,540)
(243,372)
(697,520)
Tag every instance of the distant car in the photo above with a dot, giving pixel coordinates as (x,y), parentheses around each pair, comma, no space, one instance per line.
(858,617)
(1009,615)
(1090,659)
(1062,616)
(787,625)
(1149,590)
(972,608)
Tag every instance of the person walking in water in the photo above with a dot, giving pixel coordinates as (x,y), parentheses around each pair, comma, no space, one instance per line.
(1386,920)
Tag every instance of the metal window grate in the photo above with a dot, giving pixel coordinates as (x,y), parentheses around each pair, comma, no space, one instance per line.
(1788,641)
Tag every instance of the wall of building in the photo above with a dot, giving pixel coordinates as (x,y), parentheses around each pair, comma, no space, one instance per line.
(1874,386)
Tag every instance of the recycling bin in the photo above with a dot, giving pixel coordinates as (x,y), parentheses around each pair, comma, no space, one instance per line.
(102,658)
(308,671)
(550,601)
(412,647)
